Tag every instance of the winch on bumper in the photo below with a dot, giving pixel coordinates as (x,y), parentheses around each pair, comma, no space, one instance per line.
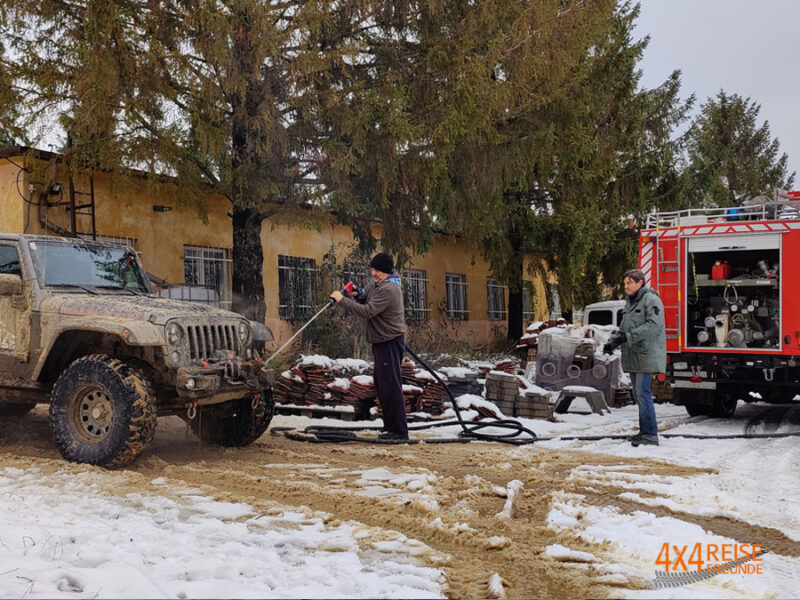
(218,381)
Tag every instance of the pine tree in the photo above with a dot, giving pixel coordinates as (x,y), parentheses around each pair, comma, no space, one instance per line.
(598,152)
(731,157)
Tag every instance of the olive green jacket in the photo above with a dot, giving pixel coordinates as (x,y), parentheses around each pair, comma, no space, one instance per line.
(645,347)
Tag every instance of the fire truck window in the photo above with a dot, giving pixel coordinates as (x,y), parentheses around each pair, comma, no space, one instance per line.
(733,298)
(599,317)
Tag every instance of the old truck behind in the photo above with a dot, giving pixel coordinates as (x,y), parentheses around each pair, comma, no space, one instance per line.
(81,330)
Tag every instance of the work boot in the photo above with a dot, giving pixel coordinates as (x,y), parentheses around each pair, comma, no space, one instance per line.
(393,436)
(644,440)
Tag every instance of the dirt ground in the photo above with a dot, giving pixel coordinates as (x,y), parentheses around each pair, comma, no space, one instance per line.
(451,506)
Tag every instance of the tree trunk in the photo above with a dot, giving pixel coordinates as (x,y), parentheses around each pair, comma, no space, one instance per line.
(515,290)
(248,262)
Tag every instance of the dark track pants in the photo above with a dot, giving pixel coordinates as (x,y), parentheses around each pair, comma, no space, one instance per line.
(389,384)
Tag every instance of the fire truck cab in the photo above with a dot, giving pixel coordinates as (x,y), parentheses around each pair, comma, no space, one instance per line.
(729,279)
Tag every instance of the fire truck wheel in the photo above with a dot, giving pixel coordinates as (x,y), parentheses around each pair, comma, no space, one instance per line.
(234,423)
(696,410)
(691,399)
(725,401)
(102,412)
(12,409)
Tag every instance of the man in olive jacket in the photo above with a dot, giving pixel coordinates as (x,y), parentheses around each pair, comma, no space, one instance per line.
(642,336)
(381,304)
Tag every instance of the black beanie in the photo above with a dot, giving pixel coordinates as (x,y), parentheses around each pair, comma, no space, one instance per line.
(382,262)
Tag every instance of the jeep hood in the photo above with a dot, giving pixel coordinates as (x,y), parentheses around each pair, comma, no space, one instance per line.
(131,308)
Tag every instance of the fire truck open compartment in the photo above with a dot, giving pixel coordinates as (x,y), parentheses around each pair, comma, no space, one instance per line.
(733,293)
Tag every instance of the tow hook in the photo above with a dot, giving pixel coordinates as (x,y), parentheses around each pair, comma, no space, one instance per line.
(254,402)
(769,374)
(191,409)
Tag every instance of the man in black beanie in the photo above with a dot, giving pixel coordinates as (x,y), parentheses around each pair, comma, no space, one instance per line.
(381,304)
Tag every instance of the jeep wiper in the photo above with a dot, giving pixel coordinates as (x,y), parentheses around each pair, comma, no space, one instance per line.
(120,287)
(74,285)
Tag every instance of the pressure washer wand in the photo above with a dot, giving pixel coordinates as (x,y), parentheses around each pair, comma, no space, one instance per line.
(349,287)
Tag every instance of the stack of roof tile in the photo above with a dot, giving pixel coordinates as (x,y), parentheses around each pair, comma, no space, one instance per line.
(290,388)
(506,366)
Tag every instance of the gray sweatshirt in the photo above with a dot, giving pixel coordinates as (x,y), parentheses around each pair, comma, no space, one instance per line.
(382,308)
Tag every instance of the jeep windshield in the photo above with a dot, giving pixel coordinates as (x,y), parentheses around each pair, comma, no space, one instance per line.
(88,266)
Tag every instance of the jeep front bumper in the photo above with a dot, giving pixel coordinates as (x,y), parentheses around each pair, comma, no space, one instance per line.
(209,383)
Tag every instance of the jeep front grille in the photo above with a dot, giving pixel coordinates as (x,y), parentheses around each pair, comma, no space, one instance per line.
(207,340)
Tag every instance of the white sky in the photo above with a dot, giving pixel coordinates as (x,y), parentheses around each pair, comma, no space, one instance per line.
(748,47)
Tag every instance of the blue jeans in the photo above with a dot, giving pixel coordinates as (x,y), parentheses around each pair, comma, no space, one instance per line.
(644,399)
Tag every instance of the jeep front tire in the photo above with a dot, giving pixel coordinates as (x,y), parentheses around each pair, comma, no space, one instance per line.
(102,412)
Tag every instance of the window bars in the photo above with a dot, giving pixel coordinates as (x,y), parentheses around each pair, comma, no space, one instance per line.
(456,288)
(415,295)
(297,283)
(207,276)
(356,272)
(111,239)
(527,302)
(496,297)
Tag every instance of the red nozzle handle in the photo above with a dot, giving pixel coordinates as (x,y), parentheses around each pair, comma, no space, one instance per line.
(349,287)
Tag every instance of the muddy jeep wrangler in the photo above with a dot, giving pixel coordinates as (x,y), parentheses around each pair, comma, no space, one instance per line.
(81,329)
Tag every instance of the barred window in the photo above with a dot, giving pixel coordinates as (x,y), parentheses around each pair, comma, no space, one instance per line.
(112,239)
(555,313)
(297,284)
(356,272)
(415,294)
(527,301)
(456,284)
(207,276)
(496,296)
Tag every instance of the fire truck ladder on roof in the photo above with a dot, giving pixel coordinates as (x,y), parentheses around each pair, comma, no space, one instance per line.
(669,282)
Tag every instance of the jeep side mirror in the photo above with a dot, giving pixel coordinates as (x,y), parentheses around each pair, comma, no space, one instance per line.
(10,285)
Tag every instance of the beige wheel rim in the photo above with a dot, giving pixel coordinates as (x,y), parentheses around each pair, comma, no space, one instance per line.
(91,415)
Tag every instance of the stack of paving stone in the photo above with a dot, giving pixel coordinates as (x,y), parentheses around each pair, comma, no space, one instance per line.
(534,403)
(462,381)
(502,389)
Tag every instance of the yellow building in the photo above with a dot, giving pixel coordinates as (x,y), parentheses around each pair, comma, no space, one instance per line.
(450,288)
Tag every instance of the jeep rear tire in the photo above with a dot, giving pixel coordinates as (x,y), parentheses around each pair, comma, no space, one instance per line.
(234,423)
(13,409)
(102,412)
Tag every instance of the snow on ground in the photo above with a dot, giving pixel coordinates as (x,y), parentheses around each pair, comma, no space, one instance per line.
(68,535)
(754,481)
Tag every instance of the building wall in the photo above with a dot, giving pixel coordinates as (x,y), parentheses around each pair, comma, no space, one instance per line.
(124,209)
(11,205)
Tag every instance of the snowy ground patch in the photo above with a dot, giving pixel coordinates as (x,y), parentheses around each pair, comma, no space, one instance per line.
(67,535)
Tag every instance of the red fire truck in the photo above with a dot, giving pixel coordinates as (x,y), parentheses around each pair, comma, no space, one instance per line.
(729,279)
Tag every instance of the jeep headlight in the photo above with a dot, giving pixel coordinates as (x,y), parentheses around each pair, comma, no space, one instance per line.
(174,334)
(244,332)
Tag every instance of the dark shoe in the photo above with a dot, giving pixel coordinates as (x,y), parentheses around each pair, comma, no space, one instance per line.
(635,438)
(392,436)
(644,440)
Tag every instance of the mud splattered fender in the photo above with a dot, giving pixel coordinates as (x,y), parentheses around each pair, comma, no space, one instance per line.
(133,333)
